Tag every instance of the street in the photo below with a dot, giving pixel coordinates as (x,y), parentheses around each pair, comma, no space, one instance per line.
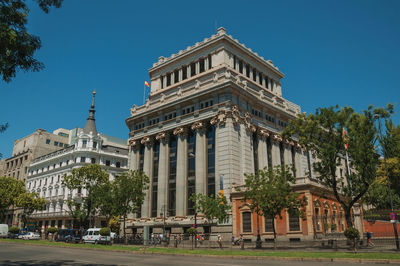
(20,254)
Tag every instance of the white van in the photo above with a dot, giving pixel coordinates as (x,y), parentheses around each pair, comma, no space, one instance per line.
(3,230)
(92,235)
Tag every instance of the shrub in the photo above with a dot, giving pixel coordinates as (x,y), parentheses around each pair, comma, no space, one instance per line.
(13,230)
(191,231)
(351,233)
(52,230)
(105,231)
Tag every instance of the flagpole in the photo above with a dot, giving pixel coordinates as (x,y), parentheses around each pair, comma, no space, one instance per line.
(144,93)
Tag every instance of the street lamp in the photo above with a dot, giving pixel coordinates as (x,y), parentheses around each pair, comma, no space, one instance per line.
(388,183)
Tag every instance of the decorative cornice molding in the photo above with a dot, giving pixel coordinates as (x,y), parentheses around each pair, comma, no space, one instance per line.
(179,131)
(161,135)
(277,138)
(146,140)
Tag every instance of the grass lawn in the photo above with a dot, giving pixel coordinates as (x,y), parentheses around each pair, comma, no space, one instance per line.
(216,252)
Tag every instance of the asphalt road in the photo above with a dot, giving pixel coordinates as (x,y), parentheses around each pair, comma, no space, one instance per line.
(20,254)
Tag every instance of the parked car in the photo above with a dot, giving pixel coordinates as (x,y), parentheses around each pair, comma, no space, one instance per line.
(22,234)
(92,235)
(3,230)
(68,235)
(31,236)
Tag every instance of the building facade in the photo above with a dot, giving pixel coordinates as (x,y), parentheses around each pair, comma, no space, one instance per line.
(25,150)
(46,172)
(215,112)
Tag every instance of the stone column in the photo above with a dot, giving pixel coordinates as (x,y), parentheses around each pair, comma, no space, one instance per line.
(237,64)
(299,163)
(162,171)
(288,153)
(275,151)
(164,81)
(269,84)
(251,73)
(197,65)
(181,171)
(147,169)
(244,69)
(133,155)
(206,63)
(172,77)
(201,146)
(180,74)
(262,149)
(189,71)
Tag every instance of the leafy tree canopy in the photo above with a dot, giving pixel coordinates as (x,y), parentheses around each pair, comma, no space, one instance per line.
(322,132)
(17,45)
(10,189)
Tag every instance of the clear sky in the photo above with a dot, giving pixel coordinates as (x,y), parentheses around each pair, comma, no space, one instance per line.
(332,52)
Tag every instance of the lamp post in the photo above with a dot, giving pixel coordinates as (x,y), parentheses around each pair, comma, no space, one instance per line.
(396,236)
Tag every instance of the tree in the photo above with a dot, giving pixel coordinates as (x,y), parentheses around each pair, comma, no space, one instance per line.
(104,200)
(10,189)
(89,181)
(322,132)
(269,192)
(377,195)
(129,193)
(17,44)
(212,207)
(29,202)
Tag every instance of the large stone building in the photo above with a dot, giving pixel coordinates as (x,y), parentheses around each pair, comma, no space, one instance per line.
(25,150)
(46,172)
(215,112)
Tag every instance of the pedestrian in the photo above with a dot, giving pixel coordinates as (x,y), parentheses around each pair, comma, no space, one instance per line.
(219,241)
(233,240)
(369,240)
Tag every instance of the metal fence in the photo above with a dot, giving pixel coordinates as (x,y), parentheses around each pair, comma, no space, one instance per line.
(333,242)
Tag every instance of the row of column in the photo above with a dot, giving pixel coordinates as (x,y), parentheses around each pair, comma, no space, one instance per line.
(196,65)
(181,167)
(275,152)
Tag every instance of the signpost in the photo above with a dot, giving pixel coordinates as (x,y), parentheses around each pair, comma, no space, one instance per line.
(393,217)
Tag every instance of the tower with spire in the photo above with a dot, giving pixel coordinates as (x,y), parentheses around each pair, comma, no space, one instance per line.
(89,138)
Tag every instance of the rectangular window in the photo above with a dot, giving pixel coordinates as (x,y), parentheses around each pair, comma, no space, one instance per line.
(84,144)
(168,79)
(191,175)
(172,175)
(184,73)
(60,144)
(176,76)
(209,62)
(254,74)
(47,141)
(83,159)
(56,143)
(294,221)
(202,67)
(108,163)
(154,184)
(118,164)
(211,161)
(241,66)
(247,71)
(269,223)
(192,69)
(246,222)
(94,145)
(93,160)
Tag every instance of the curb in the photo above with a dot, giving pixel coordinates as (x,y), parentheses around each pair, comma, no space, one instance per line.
(239,257)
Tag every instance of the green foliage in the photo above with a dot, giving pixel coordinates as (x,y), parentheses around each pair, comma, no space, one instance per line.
(269,192)
(52,230)
(105,231)
(93,180)
(322,132)
(10,191)
(213,207)
(351,233)
(13,230)
(29,202)
(17,44)
(129,191)
(114,224)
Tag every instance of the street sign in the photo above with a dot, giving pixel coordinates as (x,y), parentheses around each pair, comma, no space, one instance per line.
(393,216)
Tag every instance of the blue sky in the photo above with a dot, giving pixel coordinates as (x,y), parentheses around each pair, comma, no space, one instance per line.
(332,52)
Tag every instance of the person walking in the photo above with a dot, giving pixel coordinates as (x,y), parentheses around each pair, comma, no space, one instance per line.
(219,241)
(233,240)
(369,240)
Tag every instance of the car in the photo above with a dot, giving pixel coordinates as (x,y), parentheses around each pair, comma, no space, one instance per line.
(22,234)
(92,235)
(68,235)
(31,236)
